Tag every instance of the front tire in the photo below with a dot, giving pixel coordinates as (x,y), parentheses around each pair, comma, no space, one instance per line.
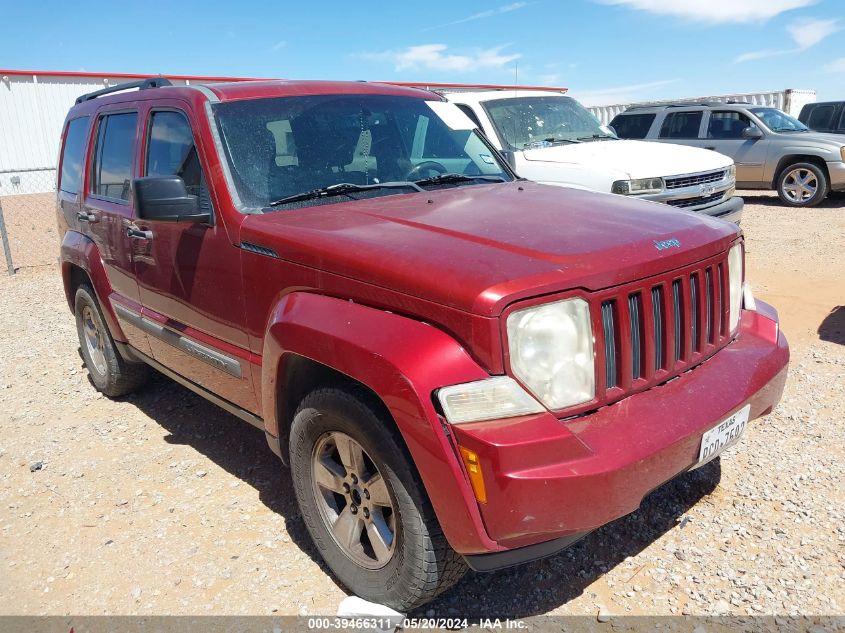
(364,504)
(111,374)
(802,185)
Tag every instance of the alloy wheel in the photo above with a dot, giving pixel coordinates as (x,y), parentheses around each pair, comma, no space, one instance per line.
(800,185)
(94,340)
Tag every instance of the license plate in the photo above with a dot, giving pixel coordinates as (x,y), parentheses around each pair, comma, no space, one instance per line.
(724,434)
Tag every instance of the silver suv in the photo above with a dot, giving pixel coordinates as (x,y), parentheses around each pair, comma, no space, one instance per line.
(771,149)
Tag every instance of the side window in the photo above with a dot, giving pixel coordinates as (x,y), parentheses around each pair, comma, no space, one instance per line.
(112,177)
(171,150)
(727,124)
(821,118)
(73,155)
(471,114)
(632,125)
(681,125)
(842,120)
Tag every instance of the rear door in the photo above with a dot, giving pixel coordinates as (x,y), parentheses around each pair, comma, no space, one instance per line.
(107,209)
(682,127)
(190,274)
(724,135)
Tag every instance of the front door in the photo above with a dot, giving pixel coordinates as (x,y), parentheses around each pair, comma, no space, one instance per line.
(190,274)
(724,135)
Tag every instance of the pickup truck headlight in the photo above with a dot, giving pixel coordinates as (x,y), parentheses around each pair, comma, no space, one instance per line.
(732,172)
(551,352)
(638,187)
(842,152)
(494,398)
(735,282)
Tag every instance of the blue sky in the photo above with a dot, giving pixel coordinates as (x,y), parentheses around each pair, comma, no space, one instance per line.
(605,51)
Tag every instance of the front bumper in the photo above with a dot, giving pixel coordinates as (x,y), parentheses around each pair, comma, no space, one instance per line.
(730,210)
(836,170)
(553,480)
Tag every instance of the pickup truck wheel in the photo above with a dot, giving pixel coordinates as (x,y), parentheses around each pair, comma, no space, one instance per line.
(110,373)
(802,185)
(364,504)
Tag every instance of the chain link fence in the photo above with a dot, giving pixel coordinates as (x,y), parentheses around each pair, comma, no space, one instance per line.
(28,228)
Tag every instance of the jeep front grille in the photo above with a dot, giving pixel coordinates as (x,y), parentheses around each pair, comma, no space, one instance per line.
(656,329)
(694,179)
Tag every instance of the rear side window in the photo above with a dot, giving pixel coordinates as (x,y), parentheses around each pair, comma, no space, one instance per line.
(632,125)
(112,177)
(171,150)
(681,125)
(842,120)
(727,124)
(73,155)
(821,117)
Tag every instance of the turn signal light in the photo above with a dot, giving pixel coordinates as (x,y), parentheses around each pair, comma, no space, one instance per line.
(476,477)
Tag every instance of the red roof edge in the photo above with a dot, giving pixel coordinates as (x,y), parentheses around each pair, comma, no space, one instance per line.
(438,86)
(72,73)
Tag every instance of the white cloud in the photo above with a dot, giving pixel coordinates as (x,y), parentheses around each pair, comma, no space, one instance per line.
(715,11)
(489,13)
(806,33)
(622,94)
(436,57)
(836,66)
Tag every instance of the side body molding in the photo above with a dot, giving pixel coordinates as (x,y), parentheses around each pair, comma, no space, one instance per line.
(403,361)
(81,251)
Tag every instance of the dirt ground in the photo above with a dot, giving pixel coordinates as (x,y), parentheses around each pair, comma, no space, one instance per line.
(160,503)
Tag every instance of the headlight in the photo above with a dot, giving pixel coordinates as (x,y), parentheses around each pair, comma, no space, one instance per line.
(842,152)
(494,398)
(732,172)
(735,282)
(551,352)
(638,187)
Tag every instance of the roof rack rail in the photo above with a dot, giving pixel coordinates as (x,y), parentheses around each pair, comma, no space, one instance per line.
(144,84)
(440,87)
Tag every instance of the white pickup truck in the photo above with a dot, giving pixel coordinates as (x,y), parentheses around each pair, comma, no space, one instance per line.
(551,138)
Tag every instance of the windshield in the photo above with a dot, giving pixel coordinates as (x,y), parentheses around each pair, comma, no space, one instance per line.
(281,147)
(778,121)
(535,121)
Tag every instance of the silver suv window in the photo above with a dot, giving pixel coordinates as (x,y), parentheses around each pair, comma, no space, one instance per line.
(681,125)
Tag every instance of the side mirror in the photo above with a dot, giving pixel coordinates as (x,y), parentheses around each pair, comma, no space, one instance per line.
(166,199)
(752,133)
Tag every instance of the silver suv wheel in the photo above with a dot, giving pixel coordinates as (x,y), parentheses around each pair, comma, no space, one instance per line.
(353,500)
(800,185)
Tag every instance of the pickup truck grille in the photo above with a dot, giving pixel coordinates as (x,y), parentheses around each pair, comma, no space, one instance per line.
(695,179)
(685,203)
(654,330)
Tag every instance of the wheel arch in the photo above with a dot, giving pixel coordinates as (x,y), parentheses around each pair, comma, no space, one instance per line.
(792,159)
(398,362)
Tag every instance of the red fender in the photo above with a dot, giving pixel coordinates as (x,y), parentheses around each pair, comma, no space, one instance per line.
(81,251)
(403,361)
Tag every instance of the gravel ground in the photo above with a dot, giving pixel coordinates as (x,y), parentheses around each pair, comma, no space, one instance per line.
(161,503)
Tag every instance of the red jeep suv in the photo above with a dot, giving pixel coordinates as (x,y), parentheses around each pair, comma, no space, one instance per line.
(461,368)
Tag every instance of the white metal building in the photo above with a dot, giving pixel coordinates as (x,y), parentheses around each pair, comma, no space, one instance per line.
(33,106)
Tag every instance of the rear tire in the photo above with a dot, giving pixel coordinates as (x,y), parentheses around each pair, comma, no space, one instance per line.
(111,374)
(377,491)
(802,185)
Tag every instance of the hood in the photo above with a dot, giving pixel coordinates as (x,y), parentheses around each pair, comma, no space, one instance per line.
(638,159)
(480,247)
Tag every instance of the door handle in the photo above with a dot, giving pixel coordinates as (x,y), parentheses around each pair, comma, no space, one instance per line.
(84,216)
(137,234)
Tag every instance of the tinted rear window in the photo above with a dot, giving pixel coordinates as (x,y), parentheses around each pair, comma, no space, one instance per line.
(681,125)
(73,154)
(821,117)
(115,150)
(632,125)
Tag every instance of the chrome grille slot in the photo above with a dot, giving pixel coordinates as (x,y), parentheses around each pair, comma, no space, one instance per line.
(695,315)
(634,301)
(694,179)
(657,316)
(610,349)
(708,311)
(677,318)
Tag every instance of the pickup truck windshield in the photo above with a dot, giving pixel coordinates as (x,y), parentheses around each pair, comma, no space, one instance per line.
(536,121)
(778,121)
(280,148)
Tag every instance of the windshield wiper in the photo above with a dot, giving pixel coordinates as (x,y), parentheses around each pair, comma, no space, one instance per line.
(551,139)
(595,137)
(441,179)
(341,189)
(789,129)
